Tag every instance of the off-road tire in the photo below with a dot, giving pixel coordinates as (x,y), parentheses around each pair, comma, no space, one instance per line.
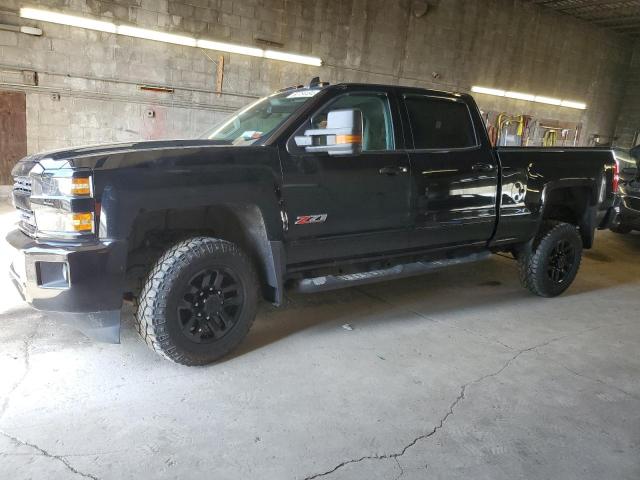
(157,318)
(536,261)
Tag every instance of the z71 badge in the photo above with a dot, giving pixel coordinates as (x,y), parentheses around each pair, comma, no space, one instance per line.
(307,219)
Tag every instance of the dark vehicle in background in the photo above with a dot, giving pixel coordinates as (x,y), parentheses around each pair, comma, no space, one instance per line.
(311,188)
(629,190)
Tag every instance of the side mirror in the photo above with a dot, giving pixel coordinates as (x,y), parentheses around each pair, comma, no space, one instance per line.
(342,136)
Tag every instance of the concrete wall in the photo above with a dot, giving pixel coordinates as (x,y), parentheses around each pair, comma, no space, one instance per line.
(629,121)
(505,44)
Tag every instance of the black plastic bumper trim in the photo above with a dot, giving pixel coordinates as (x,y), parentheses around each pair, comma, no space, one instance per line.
(96,274)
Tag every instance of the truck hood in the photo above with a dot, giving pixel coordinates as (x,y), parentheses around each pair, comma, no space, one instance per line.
(96,156)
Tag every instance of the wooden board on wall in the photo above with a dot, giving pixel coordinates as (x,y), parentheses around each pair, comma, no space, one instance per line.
(13,132)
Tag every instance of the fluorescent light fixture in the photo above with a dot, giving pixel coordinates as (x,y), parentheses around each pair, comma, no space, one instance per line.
(548,100)
(53,17)
(292,57)
(231,48)
(529,97)
(155,35)
(488,91)
(258,52)
(578,105)
(82,22)
(520,96)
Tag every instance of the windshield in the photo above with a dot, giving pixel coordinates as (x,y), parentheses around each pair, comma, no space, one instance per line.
(260,118)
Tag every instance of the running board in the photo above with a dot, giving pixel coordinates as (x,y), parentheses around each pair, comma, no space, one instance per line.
(331,282)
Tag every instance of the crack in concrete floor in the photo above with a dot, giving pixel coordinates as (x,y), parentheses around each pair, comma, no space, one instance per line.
(5,404)
(44,453)
(454,404)
(401,452)
(401,469)
(392,456)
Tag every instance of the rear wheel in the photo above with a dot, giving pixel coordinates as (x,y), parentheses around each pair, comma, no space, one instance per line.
(199,301)
(551,264)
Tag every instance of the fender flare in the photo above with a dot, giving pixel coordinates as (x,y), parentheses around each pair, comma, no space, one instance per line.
(271,253)
(587,221)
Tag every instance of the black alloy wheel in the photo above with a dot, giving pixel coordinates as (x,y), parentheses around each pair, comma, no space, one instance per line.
(561,261)
(211,305)
(199,301)
(549,264)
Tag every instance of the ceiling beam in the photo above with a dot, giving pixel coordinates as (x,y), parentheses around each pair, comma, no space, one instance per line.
(620,16)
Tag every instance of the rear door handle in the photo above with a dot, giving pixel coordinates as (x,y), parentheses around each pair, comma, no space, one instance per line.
(392,170)
(482,167)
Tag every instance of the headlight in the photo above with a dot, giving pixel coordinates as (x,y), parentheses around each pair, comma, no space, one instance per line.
(55,222)
(61,186)
(62,203)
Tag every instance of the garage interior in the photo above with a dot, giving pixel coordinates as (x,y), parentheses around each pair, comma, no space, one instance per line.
(456,374)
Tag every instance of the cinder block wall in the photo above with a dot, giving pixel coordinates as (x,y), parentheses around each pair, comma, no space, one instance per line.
(629,120)
(88,81)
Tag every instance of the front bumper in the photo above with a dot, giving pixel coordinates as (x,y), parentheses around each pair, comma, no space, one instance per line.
(82,284)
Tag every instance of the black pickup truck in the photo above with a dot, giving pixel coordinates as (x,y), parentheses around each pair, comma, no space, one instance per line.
(310,188)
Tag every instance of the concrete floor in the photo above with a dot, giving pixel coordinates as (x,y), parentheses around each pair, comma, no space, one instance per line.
(457,374)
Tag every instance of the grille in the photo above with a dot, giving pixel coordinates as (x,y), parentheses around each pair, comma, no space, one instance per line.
(27,222)
(21,200)
(22,184)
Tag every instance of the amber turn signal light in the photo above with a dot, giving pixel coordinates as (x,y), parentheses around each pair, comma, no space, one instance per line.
(342,139)
(82,222)
(80,186)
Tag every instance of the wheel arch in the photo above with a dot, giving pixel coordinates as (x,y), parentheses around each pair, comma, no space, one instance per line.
(152,231)
(571,201)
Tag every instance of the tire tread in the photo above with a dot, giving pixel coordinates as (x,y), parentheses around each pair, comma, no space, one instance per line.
(531,261)
(152,303)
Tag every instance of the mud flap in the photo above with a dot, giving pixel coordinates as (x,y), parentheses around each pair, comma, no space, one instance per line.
(99,326)
(587,226)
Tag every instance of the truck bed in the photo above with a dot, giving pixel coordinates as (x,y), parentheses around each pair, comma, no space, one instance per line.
(529,175)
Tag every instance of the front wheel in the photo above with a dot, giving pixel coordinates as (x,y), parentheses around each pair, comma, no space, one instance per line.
(199,301)
(551,264)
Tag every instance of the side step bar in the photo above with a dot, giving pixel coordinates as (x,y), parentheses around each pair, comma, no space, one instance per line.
(331,282)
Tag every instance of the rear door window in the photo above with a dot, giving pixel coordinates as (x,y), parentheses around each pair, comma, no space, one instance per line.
(439,123)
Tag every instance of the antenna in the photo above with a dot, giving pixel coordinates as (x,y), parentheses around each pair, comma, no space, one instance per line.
(315,82)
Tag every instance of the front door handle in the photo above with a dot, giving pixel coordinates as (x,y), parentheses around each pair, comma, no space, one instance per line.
(390,171)
(482,167)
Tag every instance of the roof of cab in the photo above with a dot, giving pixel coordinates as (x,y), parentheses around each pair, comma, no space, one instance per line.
(342,85)
(345,85)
